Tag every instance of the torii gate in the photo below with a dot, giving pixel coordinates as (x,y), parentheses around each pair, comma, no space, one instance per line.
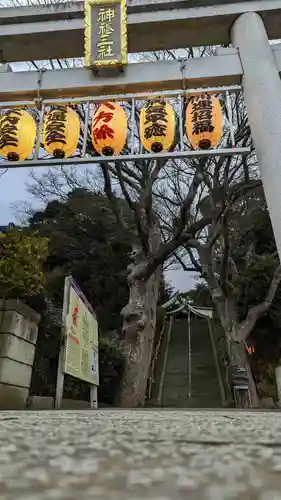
(56,31)
(60,30)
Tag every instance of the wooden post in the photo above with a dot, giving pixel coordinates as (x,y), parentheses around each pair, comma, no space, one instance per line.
(60,373)
(94,396)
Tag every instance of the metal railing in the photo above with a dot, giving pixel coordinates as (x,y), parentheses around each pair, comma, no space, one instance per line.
(133,151)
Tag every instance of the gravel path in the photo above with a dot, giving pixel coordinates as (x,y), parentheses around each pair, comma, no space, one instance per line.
(159,455)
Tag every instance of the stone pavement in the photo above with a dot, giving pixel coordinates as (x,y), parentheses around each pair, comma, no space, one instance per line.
(137,455)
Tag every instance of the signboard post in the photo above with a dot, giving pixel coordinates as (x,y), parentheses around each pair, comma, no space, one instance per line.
(105,34)
(79,354)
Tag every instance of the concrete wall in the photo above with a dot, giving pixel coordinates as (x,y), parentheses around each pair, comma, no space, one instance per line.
(18,337)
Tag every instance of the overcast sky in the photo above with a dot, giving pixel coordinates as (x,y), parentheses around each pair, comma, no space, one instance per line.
(12,189)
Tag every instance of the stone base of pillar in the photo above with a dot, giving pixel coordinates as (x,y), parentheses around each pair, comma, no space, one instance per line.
(13,397)
(18,337)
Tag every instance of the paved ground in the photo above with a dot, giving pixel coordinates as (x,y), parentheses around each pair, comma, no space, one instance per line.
(159,455)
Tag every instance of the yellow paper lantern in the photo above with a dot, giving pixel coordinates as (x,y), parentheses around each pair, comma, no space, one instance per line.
(17,134)
(204,121)
(157,126)
(109,129)
(61,132)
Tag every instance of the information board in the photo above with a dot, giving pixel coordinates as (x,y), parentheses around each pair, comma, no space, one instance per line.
(81,336)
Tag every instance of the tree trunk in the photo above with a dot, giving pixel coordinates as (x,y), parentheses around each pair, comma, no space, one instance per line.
(236,349)
(226,310)
(139,325)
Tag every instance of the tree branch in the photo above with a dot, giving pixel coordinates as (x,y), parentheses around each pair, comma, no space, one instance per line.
(256,312)
(112,198)
(239,189)
(142,227)
(226,252)
(183,265)
(233,268)
(123,187)
(166,249)
(194,262)
(180,222)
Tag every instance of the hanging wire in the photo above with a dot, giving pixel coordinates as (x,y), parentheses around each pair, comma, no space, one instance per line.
(85,131)
(181,111)
(183,101)
(183,65)
(39,104)
(230,118)
(189,359)
(38,100)
(133,124)
(39,133)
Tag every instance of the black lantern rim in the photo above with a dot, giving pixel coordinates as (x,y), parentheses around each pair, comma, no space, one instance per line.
(157,147)
(107,151)
(13,156)
(205,144)
(59,154)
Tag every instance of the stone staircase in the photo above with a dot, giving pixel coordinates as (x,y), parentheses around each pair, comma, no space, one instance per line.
(205,390)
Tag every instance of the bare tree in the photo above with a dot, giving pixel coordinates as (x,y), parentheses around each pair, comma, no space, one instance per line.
(183,213)
(224,195)
(140,186)
(165,200)
(136,182)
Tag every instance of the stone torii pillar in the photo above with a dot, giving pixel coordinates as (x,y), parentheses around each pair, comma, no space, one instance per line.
(262,93)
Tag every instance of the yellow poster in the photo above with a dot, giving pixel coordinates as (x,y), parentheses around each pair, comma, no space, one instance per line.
(81,351)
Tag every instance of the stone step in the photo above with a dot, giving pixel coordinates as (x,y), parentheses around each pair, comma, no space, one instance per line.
(204,384)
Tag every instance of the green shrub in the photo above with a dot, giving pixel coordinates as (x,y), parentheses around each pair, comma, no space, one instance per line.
(111,363)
